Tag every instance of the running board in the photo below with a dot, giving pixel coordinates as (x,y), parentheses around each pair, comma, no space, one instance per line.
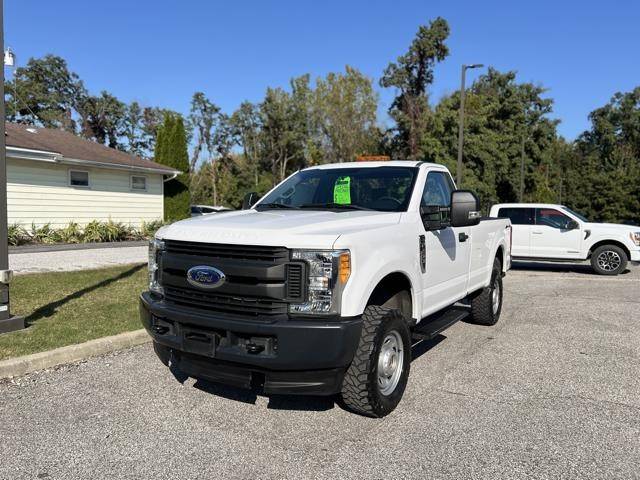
(432,325)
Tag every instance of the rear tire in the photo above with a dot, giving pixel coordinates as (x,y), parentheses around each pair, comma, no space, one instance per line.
(609,260)
(486,305)
(376,379)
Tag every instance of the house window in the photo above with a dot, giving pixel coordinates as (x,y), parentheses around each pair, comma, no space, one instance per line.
(78,178)
(138,182)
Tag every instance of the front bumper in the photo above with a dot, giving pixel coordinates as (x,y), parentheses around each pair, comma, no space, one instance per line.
(635,256)
(299,356)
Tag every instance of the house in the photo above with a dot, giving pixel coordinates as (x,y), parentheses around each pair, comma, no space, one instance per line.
(56,177)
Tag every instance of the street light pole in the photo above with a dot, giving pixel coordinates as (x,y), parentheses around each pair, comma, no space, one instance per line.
(8,322)
(461,120)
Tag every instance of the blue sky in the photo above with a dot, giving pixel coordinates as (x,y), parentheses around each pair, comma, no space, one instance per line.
(160,52)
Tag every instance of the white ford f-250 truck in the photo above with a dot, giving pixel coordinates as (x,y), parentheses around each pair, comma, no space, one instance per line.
(548,232)
(320,287)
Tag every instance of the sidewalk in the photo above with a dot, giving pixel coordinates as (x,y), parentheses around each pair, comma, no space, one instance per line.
(78,258)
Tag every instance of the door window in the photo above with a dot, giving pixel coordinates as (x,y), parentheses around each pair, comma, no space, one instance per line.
(518,216)
(437,190)
(552,218)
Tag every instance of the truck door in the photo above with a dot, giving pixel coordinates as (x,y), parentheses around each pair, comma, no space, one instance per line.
(552,236)
(522,220)
(447,250)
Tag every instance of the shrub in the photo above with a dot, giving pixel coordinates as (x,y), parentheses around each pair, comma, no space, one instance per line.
(17,235)
(71,233)
(148,230)
(43,234)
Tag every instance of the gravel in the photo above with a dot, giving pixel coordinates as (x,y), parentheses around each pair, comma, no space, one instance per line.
(552,391)
(80,259)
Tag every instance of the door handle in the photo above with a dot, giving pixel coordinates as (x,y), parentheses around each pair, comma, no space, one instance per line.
(463,237)
(537,233)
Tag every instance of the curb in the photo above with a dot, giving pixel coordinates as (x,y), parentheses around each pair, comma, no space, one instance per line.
(14,367)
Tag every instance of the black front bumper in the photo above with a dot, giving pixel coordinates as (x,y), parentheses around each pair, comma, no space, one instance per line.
(293,356)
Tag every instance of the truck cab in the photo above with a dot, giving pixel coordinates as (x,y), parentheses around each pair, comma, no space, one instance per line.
(550,232)
(320,286)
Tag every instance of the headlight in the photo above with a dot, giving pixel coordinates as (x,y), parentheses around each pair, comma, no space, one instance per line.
(329,271)
(155,249)
(635,238)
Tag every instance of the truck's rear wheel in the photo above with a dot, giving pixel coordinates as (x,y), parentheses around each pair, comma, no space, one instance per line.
(609,260)
(486,305)
(376,379)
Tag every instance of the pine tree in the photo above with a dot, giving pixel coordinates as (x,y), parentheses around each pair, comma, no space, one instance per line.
(171,150)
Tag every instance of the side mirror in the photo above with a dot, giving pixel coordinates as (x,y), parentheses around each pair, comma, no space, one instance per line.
(432,217)
(465,208)
(249,200)
(572,225)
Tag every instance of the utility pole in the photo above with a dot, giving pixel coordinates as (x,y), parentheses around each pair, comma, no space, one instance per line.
(8,322)
(461,121)
(522,170)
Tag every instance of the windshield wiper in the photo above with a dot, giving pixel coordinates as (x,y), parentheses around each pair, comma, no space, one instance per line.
(337,206)
(276,205)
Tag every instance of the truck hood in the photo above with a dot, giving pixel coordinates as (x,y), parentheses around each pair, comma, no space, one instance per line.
(611,227)
(287,228)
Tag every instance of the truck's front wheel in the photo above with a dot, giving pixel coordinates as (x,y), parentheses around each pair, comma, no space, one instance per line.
(375,381)
(609,260)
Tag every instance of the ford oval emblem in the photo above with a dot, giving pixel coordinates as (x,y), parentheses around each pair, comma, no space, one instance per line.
(203,276)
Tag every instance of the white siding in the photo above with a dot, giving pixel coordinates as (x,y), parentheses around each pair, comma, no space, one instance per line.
(39,192)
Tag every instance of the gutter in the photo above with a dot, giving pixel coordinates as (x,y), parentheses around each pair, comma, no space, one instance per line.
(54,157)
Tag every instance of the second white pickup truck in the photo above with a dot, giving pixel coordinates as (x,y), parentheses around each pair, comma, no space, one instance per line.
(320,286)
(549,232)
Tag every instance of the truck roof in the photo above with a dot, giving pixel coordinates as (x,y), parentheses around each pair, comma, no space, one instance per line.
(388,163)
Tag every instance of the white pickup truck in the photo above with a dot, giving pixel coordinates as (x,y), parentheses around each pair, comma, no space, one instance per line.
(548,232)
(320,287)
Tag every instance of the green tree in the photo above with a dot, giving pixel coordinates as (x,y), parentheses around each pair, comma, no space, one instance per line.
(411,75)
(502,117)
(171,150)
(103,119)
(202,118)
(345,115)
(45,93)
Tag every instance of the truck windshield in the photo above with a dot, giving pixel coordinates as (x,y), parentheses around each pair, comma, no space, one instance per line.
(385,189)
(581,217)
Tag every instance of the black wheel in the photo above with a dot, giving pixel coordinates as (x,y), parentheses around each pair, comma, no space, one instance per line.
(609,260)
(375,381)
(486,305)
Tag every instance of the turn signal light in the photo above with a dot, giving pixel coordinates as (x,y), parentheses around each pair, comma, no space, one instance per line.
(344,267)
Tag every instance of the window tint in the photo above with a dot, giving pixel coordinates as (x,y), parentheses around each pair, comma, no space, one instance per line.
(78,178)
(551,217)
(518,216)
(138,182)
(437,190)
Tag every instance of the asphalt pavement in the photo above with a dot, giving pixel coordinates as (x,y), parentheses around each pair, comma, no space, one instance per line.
(552,391)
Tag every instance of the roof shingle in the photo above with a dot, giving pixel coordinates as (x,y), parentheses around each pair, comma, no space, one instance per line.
(73,147)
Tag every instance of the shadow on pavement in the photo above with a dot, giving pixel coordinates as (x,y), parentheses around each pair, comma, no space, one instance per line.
(556,267)
(49,309)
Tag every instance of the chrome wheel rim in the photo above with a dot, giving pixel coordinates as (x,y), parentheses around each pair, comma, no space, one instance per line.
(390,363)
(495,296)
(609,260)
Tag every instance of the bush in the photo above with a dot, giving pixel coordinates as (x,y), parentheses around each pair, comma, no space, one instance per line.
(17,235)
(94,231)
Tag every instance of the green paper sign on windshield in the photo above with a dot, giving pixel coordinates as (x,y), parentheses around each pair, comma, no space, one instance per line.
(342,191)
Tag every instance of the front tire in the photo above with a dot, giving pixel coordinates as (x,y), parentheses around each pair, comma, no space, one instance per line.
(377,377)
(486,305)
(609,260)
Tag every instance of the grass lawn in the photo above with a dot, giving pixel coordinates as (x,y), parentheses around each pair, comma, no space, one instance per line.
(64,308)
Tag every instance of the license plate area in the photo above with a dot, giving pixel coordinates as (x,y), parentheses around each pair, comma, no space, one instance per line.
(199,342)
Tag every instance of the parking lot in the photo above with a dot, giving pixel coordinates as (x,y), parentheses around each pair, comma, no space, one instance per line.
(552,391)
